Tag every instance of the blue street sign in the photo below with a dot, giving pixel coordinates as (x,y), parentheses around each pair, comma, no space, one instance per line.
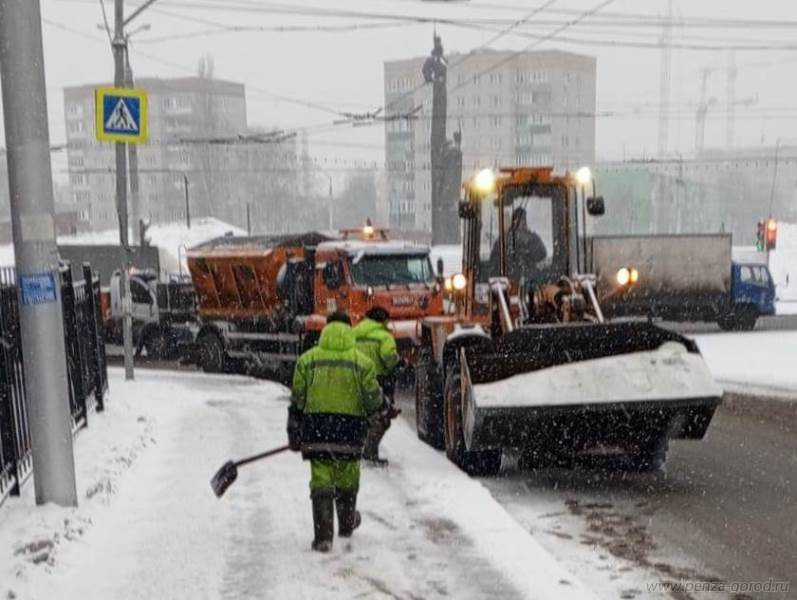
(37,288)
(121,115)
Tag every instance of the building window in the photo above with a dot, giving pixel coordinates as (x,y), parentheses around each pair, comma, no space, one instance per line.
(477,100)
(461,101)
(495,121)
(495,78)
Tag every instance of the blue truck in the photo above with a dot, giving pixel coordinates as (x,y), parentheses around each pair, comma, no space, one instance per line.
(682,277)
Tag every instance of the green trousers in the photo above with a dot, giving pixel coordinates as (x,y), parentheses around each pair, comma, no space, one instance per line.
(334,476)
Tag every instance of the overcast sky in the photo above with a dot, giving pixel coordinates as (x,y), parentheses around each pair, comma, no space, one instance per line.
(343,70)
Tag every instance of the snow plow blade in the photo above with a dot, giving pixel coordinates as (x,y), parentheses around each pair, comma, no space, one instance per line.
(584,385)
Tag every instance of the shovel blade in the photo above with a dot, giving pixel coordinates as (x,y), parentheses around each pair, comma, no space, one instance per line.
(224,478)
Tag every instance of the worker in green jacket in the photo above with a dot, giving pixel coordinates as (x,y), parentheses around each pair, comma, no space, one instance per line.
(334,392)
(377,343)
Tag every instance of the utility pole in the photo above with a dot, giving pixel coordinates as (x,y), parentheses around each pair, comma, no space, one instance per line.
(730,101)
(135,197)
(187,203)
(119,46)
(33,225)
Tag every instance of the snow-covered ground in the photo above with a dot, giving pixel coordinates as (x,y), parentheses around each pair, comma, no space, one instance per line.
(786,307)
(172,240)
(148,525)
(763,360)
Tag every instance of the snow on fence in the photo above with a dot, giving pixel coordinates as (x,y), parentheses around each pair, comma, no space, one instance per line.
(86,364)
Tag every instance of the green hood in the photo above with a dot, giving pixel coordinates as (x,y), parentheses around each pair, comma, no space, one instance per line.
(337,337)
(366,327)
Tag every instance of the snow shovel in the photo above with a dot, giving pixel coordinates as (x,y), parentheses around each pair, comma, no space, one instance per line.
(228,473)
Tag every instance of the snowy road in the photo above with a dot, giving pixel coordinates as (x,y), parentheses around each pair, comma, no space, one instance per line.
(724,509)
(148,525)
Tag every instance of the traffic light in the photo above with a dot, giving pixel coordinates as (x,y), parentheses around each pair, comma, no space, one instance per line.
(760,236)
(772,233)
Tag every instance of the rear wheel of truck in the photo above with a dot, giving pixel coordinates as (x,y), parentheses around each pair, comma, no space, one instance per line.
(429,415)
(211,353)
(473,462)
(743,318)
(153,344)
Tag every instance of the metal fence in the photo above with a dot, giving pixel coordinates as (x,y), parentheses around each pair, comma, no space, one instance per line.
(86,364)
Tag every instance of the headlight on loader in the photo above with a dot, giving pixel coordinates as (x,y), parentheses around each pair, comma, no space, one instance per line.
(448,284)
(627,276)
(459,281)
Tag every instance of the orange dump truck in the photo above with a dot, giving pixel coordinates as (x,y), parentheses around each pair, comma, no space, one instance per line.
(264,300)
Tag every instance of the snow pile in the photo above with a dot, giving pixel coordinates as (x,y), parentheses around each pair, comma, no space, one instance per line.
(666,372)
(149,526)
(763,361)
(172,240)
(783,262)
(788,307)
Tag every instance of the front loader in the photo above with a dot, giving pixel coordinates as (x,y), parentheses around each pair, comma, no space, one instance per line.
(528,362)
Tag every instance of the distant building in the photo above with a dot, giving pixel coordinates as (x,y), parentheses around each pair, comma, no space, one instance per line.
(528,108)
(194,123)
(717,191)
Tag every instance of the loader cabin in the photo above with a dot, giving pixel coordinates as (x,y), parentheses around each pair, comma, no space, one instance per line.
(523,224)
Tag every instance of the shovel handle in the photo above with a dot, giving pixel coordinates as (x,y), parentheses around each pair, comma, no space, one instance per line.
(265,454)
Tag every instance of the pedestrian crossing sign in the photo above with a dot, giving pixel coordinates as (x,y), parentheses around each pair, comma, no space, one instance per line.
(121,115)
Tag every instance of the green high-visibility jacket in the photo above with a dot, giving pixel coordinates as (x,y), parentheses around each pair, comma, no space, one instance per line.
(334,377)
(377,343)
(335,387)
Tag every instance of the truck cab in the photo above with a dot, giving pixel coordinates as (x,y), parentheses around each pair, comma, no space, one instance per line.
(160,312)
(356,275)
(753,294)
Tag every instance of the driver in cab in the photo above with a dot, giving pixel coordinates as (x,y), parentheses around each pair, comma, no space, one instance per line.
(524,249)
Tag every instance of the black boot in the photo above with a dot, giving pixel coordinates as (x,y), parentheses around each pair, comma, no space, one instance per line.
(349,517)
(376,431)
(323,522)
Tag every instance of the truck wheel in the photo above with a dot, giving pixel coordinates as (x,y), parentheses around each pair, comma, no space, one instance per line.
(153,344)
(473,462)
(211,354)
(747,318)
(429,416)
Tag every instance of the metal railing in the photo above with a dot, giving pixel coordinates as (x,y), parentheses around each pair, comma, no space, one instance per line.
(86,364)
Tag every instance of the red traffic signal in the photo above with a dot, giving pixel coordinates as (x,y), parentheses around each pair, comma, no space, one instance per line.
(771,233)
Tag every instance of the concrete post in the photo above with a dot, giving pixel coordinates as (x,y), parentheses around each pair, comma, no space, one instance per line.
(33,225)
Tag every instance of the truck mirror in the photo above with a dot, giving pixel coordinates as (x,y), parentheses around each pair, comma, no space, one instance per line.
(332,276)
(440,267)
(596,206)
